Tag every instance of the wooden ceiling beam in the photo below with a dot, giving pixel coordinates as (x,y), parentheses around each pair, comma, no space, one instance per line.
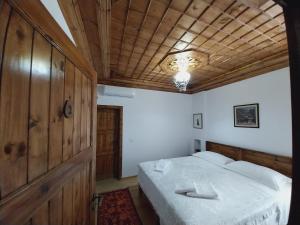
(201,32)
(141,86)
(227,33)
(124,30)
(211,39)
(245,42)
(89,17)
(136,81)
(216,28)
(253,3)
(232,33)
(239,21)
(103,18)
(268,14)
(223,31)
(130,82)
(116,39)
(241,53)
(156,29)
(238,46)
(178,19)
(73,18)
(138,34)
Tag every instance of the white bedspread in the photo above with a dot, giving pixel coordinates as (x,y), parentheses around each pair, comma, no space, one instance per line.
(241,201)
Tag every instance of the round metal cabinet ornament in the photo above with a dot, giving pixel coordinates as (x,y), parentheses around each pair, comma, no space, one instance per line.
(68,109)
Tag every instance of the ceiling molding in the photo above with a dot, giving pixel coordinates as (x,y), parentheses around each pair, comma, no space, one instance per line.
(141,86)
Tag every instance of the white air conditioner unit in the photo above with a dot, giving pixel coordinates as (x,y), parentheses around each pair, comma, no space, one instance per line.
(104,90)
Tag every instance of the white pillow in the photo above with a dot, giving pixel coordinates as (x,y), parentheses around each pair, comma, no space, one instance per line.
(213,157)
(263,175)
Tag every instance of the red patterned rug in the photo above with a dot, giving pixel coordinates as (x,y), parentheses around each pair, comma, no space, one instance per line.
(117,208)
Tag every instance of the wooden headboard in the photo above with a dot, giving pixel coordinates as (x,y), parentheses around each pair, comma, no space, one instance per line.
(281,164)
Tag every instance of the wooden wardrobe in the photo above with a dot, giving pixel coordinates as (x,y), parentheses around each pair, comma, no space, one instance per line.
(47,121)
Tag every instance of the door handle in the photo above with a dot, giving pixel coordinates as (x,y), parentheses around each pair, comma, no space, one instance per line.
(96,201)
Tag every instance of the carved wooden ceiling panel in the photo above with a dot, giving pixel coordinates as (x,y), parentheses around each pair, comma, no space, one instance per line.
(239,38)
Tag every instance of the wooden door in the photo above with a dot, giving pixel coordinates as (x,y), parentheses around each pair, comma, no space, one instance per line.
(108,160)
(47,156)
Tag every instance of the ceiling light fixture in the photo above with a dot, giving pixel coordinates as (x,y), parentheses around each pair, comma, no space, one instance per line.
(182,77)
(181,80)
(181,64)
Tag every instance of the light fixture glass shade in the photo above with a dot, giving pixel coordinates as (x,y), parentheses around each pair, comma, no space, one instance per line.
(182,79)
(182,63)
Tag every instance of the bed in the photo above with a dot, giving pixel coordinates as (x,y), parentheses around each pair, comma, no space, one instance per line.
(242,201)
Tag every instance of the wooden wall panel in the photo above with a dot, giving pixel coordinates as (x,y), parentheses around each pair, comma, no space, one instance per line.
(83,196)
(55,209)
(83,142)
(77,203)
(56,108)
(4,12)
(28,223)
(77,112)
(88,195)
(42,180)
(92,164)
(88,116)
(39,107)
(70,206)
(67,202)
(14,105)
(41,217)
(68,122)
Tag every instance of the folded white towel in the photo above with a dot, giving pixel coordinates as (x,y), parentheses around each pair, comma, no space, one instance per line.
(162,165)
(206,196)
(203,190)
(185,190)
(197,190)
(202,195)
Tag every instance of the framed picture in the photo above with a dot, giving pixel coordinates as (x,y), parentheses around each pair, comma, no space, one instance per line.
(246,116)
(197,121)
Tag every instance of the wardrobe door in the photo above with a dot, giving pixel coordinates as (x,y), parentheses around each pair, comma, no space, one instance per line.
(47,109)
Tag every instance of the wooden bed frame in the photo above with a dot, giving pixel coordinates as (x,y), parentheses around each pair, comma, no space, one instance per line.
(281,164)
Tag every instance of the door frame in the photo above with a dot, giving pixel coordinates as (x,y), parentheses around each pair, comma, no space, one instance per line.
(291,10)
(120,150)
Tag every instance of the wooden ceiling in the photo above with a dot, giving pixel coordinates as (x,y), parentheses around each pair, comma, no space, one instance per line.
(242,38)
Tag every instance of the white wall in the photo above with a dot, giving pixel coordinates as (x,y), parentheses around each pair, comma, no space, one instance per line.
(155,125)
(199,106)
(271,91)
(159,124)
(55,11)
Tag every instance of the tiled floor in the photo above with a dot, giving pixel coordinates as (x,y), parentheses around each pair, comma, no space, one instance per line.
(144,209)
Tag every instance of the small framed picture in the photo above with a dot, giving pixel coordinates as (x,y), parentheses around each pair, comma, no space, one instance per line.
(197,121)
(246,115)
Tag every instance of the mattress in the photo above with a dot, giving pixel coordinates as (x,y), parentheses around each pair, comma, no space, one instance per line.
(242,201)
